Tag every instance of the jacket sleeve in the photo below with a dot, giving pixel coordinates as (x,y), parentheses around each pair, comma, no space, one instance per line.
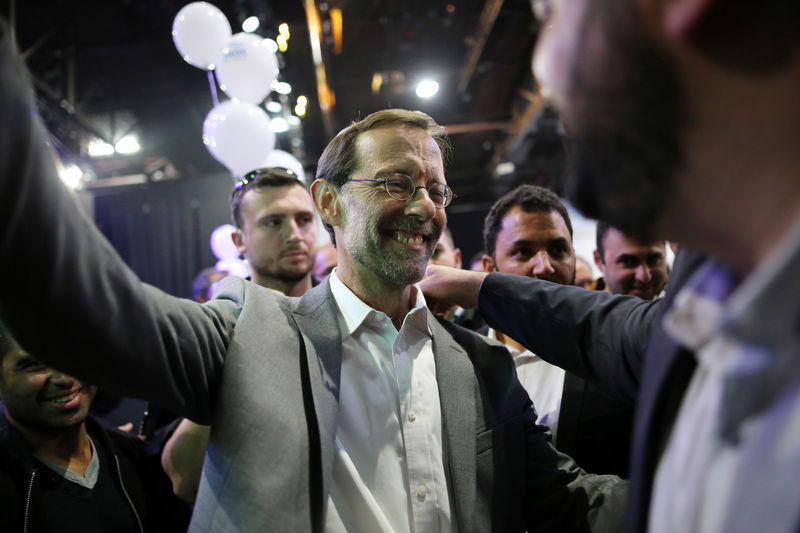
(564,498)
(67,296)
(597,336)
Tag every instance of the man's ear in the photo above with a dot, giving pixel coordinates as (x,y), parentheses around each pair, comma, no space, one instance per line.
(598,261)
(238,240)
(457,256)
(326,200)
(487,263)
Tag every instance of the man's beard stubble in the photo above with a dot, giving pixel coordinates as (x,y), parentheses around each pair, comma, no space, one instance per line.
(281,274)
(389,264)
(627,116)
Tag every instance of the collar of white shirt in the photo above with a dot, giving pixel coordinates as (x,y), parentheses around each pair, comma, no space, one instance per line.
(354,311)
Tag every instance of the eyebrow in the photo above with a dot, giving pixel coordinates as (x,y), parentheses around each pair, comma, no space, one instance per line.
(26,360)
(548,242)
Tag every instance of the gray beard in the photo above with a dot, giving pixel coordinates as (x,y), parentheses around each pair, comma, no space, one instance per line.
(392,266)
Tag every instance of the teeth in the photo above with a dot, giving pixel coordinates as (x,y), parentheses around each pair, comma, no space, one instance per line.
(400,237)
(65,399)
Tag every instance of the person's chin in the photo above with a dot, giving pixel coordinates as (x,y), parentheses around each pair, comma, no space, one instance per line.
(644,294)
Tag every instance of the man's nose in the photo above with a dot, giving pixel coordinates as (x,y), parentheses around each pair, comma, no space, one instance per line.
(420,205)
(643,273)
(61,379)
(542,265)
(292,231)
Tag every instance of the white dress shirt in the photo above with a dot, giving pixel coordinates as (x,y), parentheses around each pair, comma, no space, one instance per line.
(733,459)
(543,382)
(388,471)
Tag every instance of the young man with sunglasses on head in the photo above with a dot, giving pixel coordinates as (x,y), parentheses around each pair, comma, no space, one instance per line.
(274,218)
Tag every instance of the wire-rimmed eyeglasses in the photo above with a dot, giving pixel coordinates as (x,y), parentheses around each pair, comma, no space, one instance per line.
(267,171)
(402,187)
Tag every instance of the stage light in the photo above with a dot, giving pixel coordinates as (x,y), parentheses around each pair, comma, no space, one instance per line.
(127,145)
(100,149)
(427,88)
(250,24)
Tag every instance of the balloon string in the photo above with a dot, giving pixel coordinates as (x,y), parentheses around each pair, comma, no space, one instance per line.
(213,87)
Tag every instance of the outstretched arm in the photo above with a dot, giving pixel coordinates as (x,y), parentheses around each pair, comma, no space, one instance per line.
(67,296)
(600,337)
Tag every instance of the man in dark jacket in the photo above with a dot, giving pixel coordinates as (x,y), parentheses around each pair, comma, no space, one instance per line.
(60,468)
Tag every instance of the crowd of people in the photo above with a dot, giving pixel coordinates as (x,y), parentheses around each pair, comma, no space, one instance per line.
(376,385)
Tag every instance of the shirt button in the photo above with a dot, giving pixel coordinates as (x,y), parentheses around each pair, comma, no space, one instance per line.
(422,491)
(412,416)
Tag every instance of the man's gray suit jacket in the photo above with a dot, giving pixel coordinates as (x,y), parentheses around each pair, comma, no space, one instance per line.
(262,369)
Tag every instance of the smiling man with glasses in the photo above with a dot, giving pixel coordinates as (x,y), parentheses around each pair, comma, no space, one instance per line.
(352,408)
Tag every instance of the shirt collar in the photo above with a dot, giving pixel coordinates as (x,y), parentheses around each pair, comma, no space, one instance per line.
(761,310)
(698,311)
(354,311)
(764,310)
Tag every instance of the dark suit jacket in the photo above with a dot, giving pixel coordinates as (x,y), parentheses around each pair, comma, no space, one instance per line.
(616,342)
(594,428)
(263,370)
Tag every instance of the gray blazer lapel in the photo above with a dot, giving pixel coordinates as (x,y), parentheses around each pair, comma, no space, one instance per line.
(316,318)
(457,390)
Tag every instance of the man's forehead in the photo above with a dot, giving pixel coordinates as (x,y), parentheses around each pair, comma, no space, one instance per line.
(268,197)
(619,241)
(551,221)
(399,141)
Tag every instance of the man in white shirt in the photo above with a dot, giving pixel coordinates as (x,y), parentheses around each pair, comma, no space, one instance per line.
(352,408)
(528,232)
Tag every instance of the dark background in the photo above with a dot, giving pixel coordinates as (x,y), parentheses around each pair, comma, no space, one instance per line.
(104,68)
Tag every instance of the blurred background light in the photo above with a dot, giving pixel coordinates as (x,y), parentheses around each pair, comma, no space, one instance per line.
(100,149)
(71,175)
(127,145)
(282,87)
(250,24)
(279,125)
(427,88)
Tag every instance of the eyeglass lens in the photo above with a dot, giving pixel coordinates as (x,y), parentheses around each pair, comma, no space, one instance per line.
(402,187)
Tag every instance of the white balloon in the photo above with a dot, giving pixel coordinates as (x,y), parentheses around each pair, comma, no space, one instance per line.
(279,158)
(247,68)
(222,244)
(238,135)
(200,32)
(234,267)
